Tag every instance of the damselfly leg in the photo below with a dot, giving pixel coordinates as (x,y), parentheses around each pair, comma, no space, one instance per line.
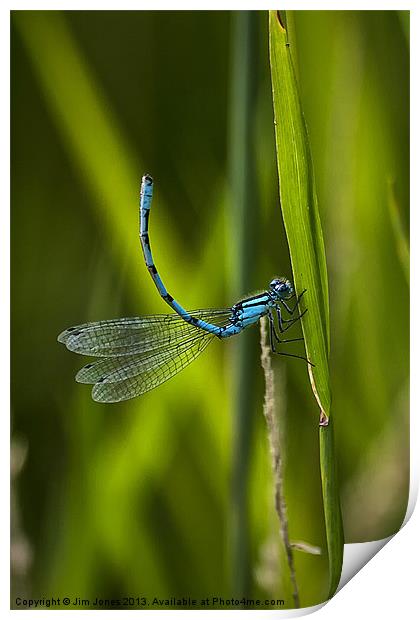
(290,322)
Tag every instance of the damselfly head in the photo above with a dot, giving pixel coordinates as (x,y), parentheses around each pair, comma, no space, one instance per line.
(282,288)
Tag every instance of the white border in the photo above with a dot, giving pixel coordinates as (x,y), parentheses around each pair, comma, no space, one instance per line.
(388,584)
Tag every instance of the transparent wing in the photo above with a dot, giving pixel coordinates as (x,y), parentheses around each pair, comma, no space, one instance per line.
(115,369)
(121,378)
(137,354)
(135,335)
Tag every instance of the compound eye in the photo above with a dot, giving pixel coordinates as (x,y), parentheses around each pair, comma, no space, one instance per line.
(274,283)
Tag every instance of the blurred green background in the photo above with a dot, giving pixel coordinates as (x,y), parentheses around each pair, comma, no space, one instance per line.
(136,498)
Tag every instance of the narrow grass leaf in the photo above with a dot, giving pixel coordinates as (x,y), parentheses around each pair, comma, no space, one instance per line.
(400,235)
(304,234)
(300,210)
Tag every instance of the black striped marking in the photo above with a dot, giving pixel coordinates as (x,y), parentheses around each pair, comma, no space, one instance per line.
(145,238)
(146,213)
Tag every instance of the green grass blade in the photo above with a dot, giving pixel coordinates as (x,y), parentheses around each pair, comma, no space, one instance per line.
(332,508)
(304,234)
(243,200)
(400,235)
(300,210)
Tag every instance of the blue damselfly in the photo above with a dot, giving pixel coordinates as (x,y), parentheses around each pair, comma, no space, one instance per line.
(137,354)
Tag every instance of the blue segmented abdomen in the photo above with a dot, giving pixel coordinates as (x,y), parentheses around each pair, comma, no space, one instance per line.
(230,330)
(244,313)
(146,195)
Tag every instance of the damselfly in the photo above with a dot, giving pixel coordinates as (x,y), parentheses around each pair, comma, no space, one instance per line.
(137,354)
